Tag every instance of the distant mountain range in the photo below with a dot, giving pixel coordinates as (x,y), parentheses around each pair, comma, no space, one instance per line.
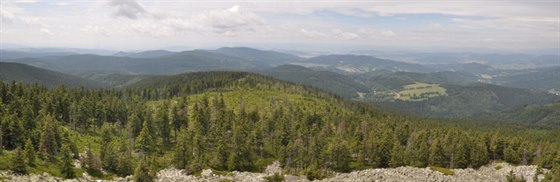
(358,77)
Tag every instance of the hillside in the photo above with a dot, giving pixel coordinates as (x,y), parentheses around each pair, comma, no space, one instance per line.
(269,58)
(162,62)
(231,121)
(361,64)
(30,74)
(336,83)
(466,101)
(543,115)
(145,54)
(543,78)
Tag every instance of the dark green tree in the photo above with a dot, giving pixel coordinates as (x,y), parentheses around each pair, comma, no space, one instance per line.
(437,154)
(48,146)
(181,150)
(18,162)
(67,168)
(142,173)
(29,153)
(145,140)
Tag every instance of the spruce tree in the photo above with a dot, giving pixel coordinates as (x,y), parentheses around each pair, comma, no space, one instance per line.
(29,153)
(48,145)
(437,154)
(142,173)
(1,138)
(181,150)
(397,155)
(145,141)
(18,162)
(124,161)
(67,168)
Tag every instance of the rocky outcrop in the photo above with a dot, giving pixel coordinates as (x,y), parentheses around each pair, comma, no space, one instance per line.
(492,172)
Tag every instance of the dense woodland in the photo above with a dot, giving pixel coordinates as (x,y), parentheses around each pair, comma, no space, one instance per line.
(233,121)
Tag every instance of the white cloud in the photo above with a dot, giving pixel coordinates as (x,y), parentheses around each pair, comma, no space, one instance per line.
(312,33)
(45,31)
(96,30)
(228,22)
(388,33)
(374,33)
(9,12)
(231,20)
(343,35)
(130,9)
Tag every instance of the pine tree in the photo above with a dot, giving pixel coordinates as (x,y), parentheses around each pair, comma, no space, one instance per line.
(145,141)
(165,129)
(124,161)
(29,153)
(92,162)
(48,145)
(397,155)
(437,154)
(18,162)
(142,173)
(1,137)
(67,168)
(181,150)
(479,154)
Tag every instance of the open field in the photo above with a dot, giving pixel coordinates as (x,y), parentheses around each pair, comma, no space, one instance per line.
(420,92)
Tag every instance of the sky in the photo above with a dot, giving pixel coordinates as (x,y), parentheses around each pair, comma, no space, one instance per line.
(517,26)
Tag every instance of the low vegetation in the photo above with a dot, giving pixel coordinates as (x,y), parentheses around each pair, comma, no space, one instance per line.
(443,170)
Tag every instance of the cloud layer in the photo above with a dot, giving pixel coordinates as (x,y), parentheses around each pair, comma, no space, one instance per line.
(506,24)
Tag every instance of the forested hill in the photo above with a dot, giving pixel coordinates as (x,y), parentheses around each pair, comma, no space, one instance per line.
(232,121)
(30,74)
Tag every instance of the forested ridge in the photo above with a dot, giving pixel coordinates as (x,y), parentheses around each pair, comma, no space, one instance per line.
(233,121)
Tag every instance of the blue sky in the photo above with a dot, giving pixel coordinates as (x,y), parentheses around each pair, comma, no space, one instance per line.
(516,26)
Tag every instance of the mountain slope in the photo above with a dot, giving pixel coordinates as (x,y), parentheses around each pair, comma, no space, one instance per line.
(543,78)
(326,80)
(238,121)
(30,74)
(542,115)
(145,54)
(163,62)
(186,61)
(466,101)
(270,58)
(362,64)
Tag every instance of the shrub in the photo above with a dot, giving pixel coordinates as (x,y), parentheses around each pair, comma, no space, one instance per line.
(443,170)
(274,178)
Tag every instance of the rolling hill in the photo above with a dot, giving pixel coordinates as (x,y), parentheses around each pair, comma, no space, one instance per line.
(361,64)
(467,101)
(543,78)
(336,83)
(30,74)
(269,58)
(548,114)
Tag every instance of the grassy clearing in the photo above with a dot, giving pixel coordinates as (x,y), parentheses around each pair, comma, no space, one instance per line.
(420,92)
(443,170)
(262,100)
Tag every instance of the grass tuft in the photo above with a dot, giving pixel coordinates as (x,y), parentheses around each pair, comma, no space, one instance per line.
(445,171)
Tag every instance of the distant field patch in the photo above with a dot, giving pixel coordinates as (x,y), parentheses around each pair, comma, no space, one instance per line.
(420,92)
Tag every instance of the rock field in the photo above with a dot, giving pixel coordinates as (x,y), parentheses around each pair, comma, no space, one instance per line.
(485,173)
